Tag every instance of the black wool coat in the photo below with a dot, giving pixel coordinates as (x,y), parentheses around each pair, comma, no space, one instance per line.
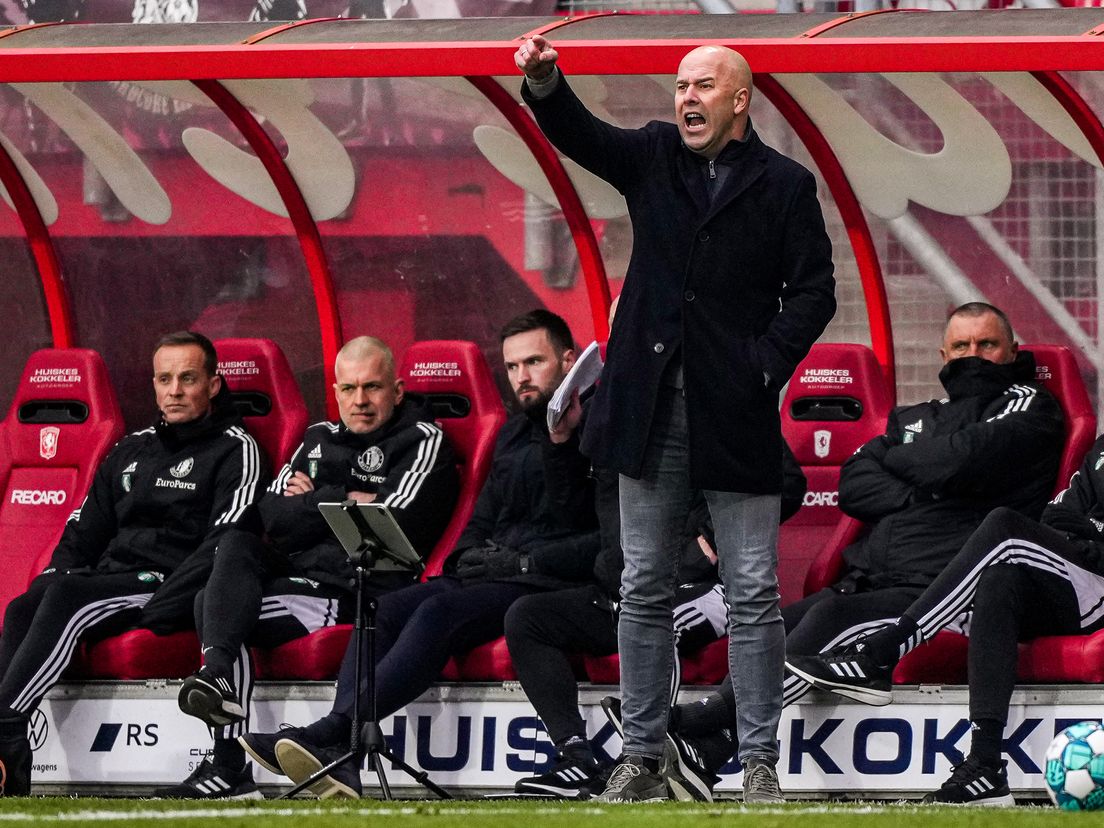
(739,287)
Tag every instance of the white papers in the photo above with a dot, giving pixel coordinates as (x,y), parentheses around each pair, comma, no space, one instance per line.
(583,374)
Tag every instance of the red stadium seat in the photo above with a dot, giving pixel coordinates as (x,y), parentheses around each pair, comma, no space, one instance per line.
(1057,369)
(137,655)
(63,420)
(837,399)
(265,392)
(455,378)
(1065,658)
(314,657)
(487,662)
(473,438)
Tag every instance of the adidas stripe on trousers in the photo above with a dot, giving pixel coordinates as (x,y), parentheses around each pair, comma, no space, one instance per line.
(1022,580)
(42,627)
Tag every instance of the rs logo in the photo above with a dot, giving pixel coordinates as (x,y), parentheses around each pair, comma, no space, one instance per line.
(136,735)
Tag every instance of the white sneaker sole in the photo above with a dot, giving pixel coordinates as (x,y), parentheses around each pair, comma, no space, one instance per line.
(205,702)
(536,789)
(1005,801)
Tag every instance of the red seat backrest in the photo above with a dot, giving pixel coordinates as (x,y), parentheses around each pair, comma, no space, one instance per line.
(455,377)
(63,420)
(837,399)
(1056,368)
(265,392)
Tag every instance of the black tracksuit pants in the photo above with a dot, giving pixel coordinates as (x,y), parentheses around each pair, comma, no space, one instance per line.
(1022,580)
(829,618)
(542,631)
(42,626)
(254,598)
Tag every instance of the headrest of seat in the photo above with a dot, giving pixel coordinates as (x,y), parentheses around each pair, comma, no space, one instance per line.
(64,410)
(265,393)
(55,376)
(1056,368)
(256,365)
(445,368)
(838,398)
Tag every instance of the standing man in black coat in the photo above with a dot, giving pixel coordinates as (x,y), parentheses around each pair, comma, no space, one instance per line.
(729,285)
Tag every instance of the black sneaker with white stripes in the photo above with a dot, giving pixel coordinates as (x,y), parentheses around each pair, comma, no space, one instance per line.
(209,781)
(211,698)
(566,779)
(684,771)
(972,783)
(846,671)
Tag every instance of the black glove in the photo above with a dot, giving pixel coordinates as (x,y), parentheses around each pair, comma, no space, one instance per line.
(486,563)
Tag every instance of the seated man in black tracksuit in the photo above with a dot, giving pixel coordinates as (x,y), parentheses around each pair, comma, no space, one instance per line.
(386,448)
(924,486)
(543,630)
(929,481)
(1021,580)
(533,529)
(140,545)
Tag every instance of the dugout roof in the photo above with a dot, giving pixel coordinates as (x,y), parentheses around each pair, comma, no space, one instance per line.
(961,146)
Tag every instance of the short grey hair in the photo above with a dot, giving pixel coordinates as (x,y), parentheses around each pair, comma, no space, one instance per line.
(363,347)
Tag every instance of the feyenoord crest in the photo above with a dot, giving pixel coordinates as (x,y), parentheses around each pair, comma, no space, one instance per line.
(48,442)
(371,459)
(822,442)
(127,473)
(182,469)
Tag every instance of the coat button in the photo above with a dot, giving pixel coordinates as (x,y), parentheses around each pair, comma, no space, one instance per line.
(688,296)
(659,347)
(703,235)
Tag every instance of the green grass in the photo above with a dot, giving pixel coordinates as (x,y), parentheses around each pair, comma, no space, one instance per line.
(479,813)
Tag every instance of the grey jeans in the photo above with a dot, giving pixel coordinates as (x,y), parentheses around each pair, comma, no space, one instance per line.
(654,511)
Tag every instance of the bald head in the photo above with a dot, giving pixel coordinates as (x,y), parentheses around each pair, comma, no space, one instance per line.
(712,94)
(728,61)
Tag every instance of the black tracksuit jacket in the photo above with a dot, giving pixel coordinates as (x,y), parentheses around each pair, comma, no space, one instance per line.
(1078,511)
(407,463)
(941,466)
(161,500)
(539,500)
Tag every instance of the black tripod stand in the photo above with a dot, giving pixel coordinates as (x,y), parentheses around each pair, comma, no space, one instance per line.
(366,738)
